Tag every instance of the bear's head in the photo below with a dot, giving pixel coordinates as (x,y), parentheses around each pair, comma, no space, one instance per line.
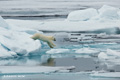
(53,38)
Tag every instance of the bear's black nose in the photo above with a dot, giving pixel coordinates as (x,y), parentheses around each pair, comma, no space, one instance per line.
(54,39)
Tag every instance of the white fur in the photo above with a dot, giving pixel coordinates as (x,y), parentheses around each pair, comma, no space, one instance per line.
(44,38)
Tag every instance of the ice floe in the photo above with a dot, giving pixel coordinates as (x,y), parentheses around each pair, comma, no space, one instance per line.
(87,51)
(82,15)
(31,69)
(56,51)
(15,36)
(109,54)
(113,53)
(102,55)
(111,59)
(106,75)
(106,17)
(109,12)
(15,41)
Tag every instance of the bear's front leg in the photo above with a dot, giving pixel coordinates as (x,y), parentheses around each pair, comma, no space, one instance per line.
(49,45)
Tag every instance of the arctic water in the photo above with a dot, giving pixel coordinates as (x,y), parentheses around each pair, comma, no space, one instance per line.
(85,60)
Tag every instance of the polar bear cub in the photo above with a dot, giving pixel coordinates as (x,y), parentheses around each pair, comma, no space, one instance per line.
(44,38)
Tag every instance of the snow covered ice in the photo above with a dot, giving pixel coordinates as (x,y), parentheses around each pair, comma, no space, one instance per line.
(55,51)
(82,15)
(86,51)
(3,23)
(31,69)
(101,20)
(109,12)
(15,42)
(106,75)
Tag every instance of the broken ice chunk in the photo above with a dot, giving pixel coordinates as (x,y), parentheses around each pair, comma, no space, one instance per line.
(56,51)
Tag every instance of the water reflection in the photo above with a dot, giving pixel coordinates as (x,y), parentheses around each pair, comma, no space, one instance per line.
(34,60)
(81,63)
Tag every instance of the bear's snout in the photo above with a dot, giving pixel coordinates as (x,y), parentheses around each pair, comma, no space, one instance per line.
(54,39)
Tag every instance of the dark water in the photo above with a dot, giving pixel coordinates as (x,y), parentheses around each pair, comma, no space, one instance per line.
(81,64)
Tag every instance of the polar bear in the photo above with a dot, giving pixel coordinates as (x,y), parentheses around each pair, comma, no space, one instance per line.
(44,38)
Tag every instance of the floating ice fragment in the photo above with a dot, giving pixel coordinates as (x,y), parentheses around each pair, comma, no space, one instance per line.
(113,53)
(82,15)
(56,51)
(102,55)
(108,12)
(64,71)
(31,69)
(109,54)
(86,51)
(106,75)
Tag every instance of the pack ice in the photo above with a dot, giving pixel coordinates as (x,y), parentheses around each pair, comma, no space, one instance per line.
(106,19)
(16,41)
